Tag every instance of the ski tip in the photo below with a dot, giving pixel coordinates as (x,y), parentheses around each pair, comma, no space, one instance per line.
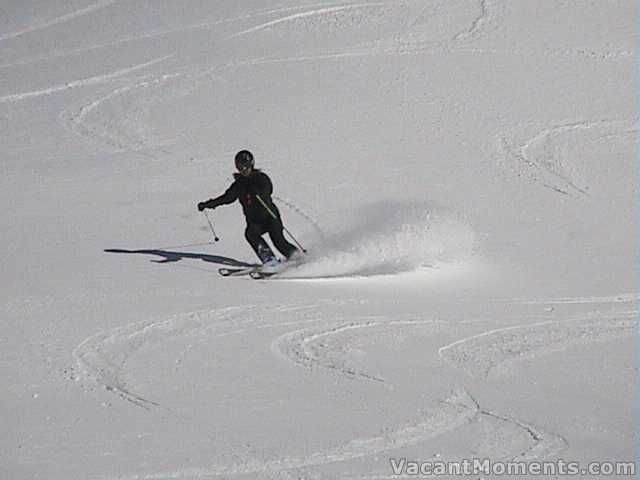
(261,275)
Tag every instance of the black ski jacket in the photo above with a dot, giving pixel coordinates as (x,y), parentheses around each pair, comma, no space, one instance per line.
(246,190)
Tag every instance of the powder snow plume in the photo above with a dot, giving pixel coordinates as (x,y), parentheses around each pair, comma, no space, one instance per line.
(387,238)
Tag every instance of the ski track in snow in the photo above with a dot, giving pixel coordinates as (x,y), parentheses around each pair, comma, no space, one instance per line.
(405,43)
(126,129)
(104,356)
(311,13)
(318,344)
(479,355)
(85,82)
(154,34)
(488,19)
(453,412)
(58,20)
(549,168)
(311,348)
(613,299)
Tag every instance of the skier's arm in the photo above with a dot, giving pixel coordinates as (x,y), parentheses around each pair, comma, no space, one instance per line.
(229,196)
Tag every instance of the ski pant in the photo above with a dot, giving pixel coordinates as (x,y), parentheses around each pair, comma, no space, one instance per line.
(274,228)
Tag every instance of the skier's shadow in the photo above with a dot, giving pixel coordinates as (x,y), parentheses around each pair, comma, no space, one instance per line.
(171,256)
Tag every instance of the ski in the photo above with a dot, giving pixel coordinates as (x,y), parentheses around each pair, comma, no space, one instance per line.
(236,272)
(261,274)
(258,275)
(257,272)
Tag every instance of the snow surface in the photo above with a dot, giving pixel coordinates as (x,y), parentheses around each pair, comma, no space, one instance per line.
(462,172)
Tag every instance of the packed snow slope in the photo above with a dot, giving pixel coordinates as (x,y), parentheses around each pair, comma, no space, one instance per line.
(462,173)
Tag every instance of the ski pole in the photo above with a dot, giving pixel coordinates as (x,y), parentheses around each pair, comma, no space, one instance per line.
(215,237)
(266,207)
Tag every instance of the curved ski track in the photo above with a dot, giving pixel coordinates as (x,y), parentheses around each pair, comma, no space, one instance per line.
(58,20)
(154,34)
(480,354)
(95,80)
(104,356)
(551,170)
(453,412)
(313,348)
(127,130)
(316,343)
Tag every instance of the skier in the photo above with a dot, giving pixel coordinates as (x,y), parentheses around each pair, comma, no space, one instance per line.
(253,188)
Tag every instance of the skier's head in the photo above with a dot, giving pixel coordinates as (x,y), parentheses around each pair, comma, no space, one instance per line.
(244,162)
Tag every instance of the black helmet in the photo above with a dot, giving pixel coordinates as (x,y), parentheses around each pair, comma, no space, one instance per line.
(244,160)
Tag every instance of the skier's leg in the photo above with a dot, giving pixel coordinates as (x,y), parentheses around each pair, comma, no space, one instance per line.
(253,234)
(277,237)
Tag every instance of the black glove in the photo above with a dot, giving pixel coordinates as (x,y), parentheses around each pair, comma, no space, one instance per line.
(202,206)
